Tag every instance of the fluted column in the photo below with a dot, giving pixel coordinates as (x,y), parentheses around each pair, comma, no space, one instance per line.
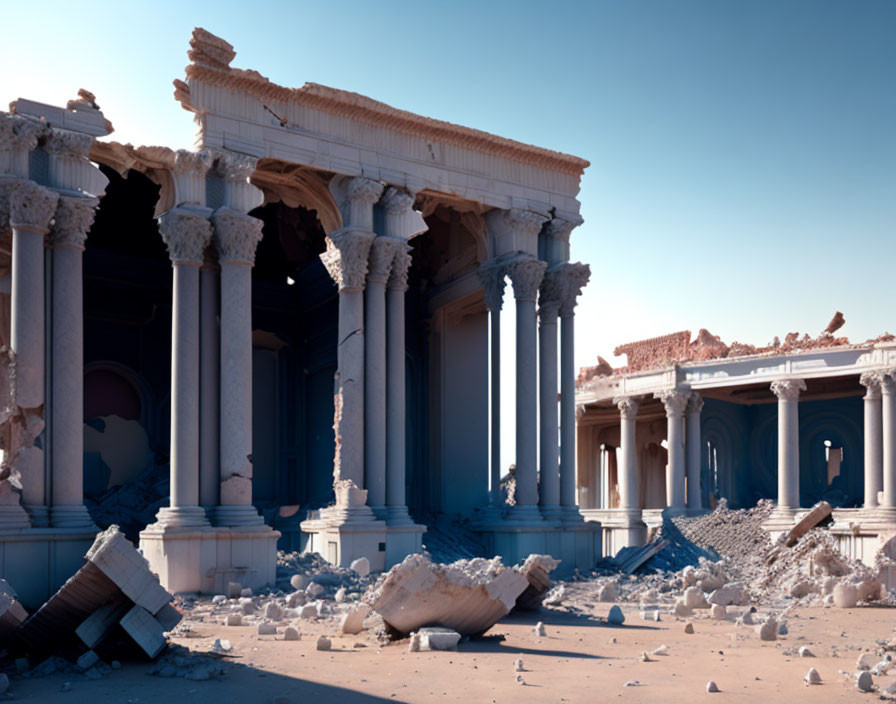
(30,209)
(492,276)
(186,235)
(74,216)
(694,451)
(549,299)
(674,402)
(788,393)
(872,437)
(236,238)
(525,273)
(209,383)
(888,436)
(346,260)
(576,276)
(628,472)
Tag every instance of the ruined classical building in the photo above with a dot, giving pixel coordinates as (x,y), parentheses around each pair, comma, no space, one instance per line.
(688,423)
(289,333)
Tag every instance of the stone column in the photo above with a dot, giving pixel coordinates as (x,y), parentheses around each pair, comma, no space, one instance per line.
(31,208)
(788,393)
(379,267)
(186,235)
(888,442)
(346,260)
(628,473)
(74,216)
(694,451)
(525,273)
(873,440)
(209,383)
(549,299)
(236,237)
(576,277)
(675,403)
(492,277)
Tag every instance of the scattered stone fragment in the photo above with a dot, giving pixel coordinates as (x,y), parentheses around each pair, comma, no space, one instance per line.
(361,566)
(681,609)
(222,646)
(689,627)
(295,600)
(782,630)
(324,643)
(219,599)
(267,629)
(88,660)
(246,592)
(711,687)
(661,649)
(864,682)
(414,643)
(694,599)
(298,582)
(812,677)
(314,590)
(435,638)
(846,596)
(518,665)
(291,634)
(615,617)
(353,621)
(538,630)
(866,661)
(339,597)
(718,612)
(309,611)
(632,683)
(607,592)
(272,611)
(746,618)
(645,657)
(804,652)
(769,629)
(234,620)
(233,590)
(728,595)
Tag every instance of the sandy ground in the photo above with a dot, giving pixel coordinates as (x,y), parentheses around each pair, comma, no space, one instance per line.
(577,661)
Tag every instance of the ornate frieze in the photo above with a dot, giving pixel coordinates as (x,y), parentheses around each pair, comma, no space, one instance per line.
(628,406)
(674,401)
(32,206)
(382,256)
(695,403)
(526,273)
(492,277)
(236,236)
(186,235)
(788,389)
(577,277)
(74,217)
(346,258)
(398,278)
(872,382)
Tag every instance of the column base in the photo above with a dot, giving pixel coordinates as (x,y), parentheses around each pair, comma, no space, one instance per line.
(571,515)
(205,558)
(487,515)
(14,517)
(380,512)
(40,515)
(341,534)
(525,515)
(622,528)
(403,539)
(181,517)
(73,516)
(398,516)
(233,516)
(551,513)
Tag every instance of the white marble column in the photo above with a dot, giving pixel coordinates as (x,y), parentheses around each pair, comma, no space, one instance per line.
(788,393)
(346,260)
(627,474)
(74,216)
(675,402)
(888,442)
(873,440)
(30,209)
(236,237)
(526,272)
(209,383)
(576,277)
(549,299)
(186,235)
(694,451)
(492,277)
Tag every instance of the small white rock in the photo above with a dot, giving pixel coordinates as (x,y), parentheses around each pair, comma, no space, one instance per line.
(361,566)
(812,677)
(711,687)
(615,617)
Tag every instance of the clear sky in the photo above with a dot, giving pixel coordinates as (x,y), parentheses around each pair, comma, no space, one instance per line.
(743,173)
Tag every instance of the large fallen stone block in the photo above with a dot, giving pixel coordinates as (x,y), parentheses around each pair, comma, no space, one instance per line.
(536,569)
(114,579)
(819,512)
(12,613)
(468,596)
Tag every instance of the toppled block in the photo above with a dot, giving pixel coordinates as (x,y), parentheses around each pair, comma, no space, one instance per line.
(819,513)
(536,569)
(12,613)
(437,639)
(353,621)
(113,582)
(468,596)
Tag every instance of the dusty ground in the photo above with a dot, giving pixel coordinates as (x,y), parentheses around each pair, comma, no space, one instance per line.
(576,662)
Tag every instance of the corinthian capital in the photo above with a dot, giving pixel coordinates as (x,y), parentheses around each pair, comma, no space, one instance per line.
(236,236)
(186,235)
(74,217)
(398,278)
(524,221)
(577,277)
(673,400)
(559,229)
(888,381)
(628,406)
(32,206)
(526,273)
(69,144)
(234,167)
(192,163)
(491,276)
(871,381)
(551,294)
(788,389)
(695,403)
(346,258)
(395,201)
(364,190)
(382,256)
(19,133)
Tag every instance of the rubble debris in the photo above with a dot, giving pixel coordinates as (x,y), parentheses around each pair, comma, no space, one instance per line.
(435,638)
(468,596)
(518,665)
(864,683)
(718,612)
(804,652)
(536,569)
(291,634)
(267,629)
(615,617)
(361,566)
(607,592)
(353,621)
(846,596)
(114,579)
(12,613)
(768,630)
(821,511)
(689,628)
(629,559)
(539,631)
(812,677)
(324,643)
(711,687)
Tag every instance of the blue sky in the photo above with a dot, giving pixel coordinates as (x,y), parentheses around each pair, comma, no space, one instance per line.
(743,172)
